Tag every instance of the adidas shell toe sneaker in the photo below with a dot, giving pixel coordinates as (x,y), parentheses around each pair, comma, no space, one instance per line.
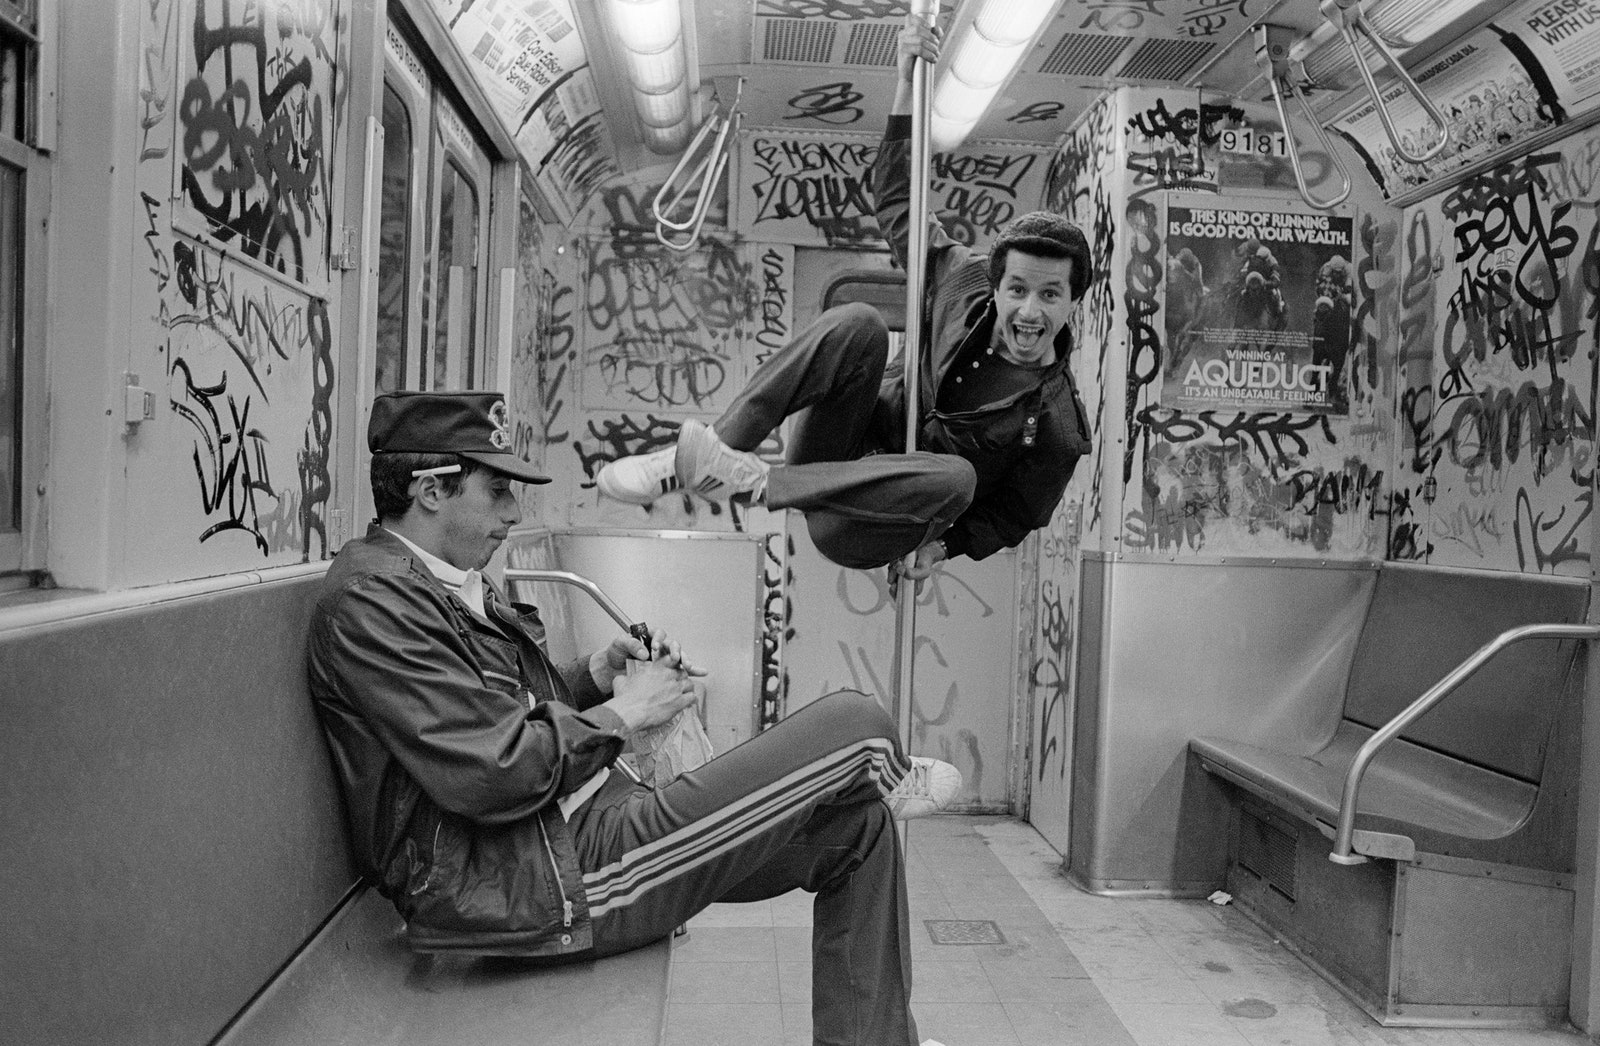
(641,478)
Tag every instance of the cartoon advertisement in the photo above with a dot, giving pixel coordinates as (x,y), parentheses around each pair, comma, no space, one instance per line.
(1486,96)
(1258,309)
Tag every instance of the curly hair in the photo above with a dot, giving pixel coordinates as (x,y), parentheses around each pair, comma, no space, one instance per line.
(1044,234)
(392,478)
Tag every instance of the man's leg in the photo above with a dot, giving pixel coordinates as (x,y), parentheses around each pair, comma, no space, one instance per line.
(795,807)
(829,374)
(863,514)
(831,371)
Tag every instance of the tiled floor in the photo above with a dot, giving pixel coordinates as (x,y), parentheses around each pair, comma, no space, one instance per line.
(1075,970)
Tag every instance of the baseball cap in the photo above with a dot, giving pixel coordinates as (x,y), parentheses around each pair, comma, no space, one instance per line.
(476,425)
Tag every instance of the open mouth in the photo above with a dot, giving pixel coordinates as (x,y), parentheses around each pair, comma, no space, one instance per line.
(1026,335)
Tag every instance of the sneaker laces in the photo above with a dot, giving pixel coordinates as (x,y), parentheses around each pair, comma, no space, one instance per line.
(916,784)
(724,462)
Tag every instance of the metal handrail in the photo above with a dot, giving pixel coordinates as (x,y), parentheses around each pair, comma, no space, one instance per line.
(638,629)
(1344,837)
(708,167)
(1346,16)
(1272,56)
(916,260)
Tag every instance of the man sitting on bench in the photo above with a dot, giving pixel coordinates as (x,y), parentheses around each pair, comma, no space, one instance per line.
(478,775)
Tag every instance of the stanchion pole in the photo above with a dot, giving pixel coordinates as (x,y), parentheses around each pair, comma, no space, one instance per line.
(905,622)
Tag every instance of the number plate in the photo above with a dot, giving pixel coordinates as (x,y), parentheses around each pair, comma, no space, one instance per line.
(1244,141)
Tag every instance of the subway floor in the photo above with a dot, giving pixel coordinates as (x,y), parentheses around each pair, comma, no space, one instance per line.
(1008,953)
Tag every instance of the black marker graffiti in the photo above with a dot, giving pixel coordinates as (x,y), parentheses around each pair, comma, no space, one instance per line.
(833,103)
(256,154)
(233,469)
(1037,112)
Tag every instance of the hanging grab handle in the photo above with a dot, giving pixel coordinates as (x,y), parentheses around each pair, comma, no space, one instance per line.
(1346,16)
(673,229)
(1272,56)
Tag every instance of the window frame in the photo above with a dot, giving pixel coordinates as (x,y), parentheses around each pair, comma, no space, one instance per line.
(452,143)
(415,231)
(23,550)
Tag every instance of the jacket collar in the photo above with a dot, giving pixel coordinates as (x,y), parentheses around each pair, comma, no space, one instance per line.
(381,539)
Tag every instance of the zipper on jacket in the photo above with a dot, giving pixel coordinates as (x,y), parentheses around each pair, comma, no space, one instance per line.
(566,905)
(433,860)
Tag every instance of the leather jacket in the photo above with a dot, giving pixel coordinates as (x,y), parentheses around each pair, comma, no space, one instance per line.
(452,737)
(1023,447)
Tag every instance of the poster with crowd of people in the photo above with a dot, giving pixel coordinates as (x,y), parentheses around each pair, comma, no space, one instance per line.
(1486,96)
(1258,309)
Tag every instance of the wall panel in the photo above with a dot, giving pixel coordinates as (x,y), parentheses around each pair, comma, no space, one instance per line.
(1497,418)
(241,142)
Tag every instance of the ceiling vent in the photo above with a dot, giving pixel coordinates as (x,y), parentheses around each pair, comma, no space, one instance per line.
(873,43)
(825,41)
(1159,59)
(1083,54)
(796,40)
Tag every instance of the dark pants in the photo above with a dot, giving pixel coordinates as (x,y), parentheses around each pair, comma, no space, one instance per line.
(796,807)
(862,511)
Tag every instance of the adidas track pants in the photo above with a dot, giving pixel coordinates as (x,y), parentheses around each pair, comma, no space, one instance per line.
(797,807)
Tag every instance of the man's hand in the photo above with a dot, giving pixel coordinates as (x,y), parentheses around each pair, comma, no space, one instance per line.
(651,694)
(927,559)
(918,39)
(609,662)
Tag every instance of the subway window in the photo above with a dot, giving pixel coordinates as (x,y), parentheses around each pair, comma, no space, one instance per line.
(394,243)
(456,263)
(433,240)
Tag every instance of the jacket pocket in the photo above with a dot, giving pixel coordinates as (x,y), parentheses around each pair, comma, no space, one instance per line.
(497,661)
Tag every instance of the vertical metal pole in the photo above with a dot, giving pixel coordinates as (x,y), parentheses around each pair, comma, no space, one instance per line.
(916,264)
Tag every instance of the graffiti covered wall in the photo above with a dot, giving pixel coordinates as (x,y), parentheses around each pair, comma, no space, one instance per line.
(644,338)
(532,412)
(242,116)
(1084,178)
(1499,293)
(841,635)
(812,191)
(1273,480)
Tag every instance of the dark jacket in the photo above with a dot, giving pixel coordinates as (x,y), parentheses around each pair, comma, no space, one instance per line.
(1023,447)
(452,739)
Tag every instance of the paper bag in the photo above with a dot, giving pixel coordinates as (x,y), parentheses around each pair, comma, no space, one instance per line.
(663,752)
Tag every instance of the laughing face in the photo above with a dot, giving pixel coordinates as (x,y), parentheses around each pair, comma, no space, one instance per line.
(1034,301)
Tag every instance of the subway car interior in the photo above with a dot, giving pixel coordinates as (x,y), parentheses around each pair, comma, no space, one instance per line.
(1277,732)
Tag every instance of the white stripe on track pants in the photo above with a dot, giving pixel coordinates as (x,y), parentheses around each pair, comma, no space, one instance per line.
(796,807)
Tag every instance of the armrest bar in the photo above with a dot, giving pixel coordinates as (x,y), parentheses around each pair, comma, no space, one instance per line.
(566,577)
(1345,834)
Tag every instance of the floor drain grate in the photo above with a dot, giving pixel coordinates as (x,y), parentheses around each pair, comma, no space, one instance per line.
(963,931)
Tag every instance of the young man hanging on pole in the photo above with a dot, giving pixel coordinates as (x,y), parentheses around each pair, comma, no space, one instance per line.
(1002,427)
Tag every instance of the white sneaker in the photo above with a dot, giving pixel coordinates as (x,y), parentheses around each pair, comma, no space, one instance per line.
(931,786)
(640,478)
(711,468)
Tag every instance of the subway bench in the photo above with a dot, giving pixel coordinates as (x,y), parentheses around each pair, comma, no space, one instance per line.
(180,872)
(1461,915)
(358,983)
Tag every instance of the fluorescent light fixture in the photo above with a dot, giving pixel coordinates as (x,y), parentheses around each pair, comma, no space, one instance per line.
(650,38)
(663,111)
(980,61)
